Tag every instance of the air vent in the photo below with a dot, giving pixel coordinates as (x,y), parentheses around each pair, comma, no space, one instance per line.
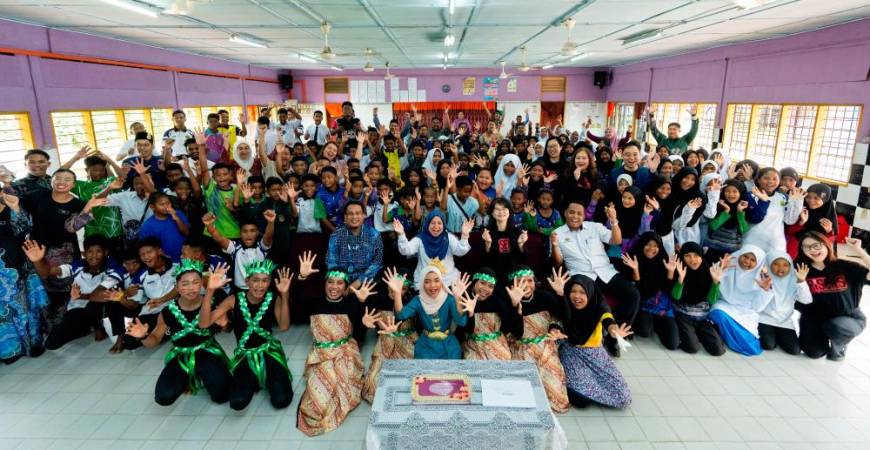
(552,84)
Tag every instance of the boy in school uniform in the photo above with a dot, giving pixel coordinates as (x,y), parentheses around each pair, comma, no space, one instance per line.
(248,248)
(156,286)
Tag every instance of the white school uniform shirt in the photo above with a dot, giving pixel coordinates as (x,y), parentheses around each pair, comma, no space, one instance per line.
(271,138)
(87,282)
(154,285)
(131,205)
(377,212)
(415,247)
(769,234)
(179,136)
(289,130)
(682,231)
(781,313)
(322,132)
(242,256)
(128,150)
(583,250)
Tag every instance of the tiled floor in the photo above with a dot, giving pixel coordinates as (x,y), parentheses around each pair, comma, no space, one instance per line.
(82,397)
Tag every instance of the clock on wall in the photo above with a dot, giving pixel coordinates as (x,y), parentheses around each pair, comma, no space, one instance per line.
(445,88)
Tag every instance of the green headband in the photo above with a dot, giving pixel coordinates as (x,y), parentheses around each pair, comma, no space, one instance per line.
(484,277)
(188,265)
(521,273)
(264,266)
(337,274)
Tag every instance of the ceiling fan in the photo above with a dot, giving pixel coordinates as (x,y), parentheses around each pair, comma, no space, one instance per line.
(368,54)
(569,48)
(503,75)
(525,67)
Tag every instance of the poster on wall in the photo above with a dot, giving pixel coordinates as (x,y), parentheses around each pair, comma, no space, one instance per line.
(577,113)
(512,85)
(490,88)
(468,85)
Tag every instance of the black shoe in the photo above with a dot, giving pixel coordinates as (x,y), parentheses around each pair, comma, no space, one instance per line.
(837,352)
(612,346)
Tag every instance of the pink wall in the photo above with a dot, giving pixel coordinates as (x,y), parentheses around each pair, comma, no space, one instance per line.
(579,84)
(39,86)
(824,66)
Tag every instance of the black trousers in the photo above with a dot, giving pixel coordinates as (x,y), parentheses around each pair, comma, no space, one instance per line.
(818,334)
(116,312)
(210,368)
(131,343)
(694,334)
(664,327)
(625,294)
(245,384)
(786,338)
(76,323)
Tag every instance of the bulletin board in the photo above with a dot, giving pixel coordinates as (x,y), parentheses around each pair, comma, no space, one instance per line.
(576,113)
(512,109)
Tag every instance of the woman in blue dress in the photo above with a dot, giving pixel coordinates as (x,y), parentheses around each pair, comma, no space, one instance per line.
(436,311)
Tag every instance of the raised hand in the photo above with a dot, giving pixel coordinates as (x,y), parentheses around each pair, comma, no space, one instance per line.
(393,280)
(759,194)
(285,277)
(467,226)
(717,271)
(610,211)
(385,198)
(389,325)
(93,203)
(670,264)
(725,206)
(460,285)
(370,318)
(10,200)
(693,110)
(804,216)
(622,331)
(83,151)
(630,261)
(270,215)
(765,281)
(467,304)
(137,329)
(209,219)
(742,205)
(486,236)
(247,191)
(241,177)
(218,277)
(306,265)
(681,271)
(826,225)
(364,290)
(530,208)
(524,237)
(554,239)
(75,292)
(695,203)
(398,227)
(855,244)
(516,292)
(797,194)
(801,272)
(558,280)
(651,205)
(714,185)
(199,135)
(726,261)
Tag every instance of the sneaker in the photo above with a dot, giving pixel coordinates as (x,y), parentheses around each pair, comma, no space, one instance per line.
(837,352)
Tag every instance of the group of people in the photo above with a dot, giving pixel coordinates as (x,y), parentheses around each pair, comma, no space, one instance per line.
(451,241)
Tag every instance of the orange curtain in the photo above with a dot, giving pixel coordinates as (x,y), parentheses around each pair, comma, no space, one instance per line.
(474,111)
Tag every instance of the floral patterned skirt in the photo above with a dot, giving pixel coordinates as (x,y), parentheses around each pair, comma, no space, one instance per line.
(591,374)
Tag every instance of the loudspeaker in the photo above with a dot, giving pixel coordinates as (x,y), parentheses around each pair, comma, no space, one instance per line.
(600,78)
(286,82)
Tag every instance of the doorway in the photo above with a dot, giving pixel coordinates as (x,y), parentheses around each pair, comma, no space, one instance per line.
(551,112)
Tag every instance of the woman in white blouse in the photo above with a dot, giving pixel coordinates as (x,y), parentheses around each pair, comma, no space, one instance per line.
(434,246)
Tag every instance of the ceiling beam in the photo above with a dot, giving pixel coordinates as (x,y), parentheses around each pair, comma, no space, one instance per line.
(556,22)
(471,16)
(370,10)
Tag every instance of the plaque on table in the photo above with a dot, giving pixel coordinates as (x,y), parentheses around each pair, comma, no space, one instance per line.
(441,389)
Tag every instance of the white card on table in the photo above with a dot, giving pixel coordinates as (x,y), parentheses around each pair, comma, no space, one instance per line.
(507,393)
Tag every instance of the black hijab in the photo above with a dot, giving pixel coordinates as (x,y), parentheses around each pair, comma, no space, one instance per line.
(629,218)
(603,167)
(698,282)
(581,323)
(653,272)
(741,187)
(664,221)
(828,210)
(682,197)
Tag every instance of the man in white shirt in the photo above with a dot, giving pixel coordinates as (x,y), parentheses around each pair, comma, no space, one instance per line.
(580,247)
(318,132)
(128,150)
(289,128)
(179,133)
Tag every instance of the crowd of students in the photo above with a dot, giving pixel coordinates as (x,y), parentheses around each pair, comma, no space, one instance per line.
(449,239)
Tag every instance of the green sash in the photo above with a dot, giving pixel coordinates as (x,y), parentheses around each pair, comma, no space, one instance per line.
(256,356)
(483,337)
(187,355)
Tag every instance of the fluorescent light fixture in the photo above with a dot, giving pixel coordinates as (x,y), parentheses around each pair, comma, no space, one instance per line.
(749,4)
(178,8)
(643,36)
(580,56)
(548,66)
(247,41)
(134,7)
(451,5)
(336,68)
(308,59)
(444,66)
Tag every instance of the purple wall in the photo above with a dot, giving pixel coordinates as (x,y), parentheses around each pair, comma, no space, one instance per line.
(824,66)
(39,86)
(579,84)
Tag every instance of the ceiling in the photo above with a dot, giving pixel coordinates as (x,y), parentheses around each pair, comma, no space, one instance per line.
(410,33)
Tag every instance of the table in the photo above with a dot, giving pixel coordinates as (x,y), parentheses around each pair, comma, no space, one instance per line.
(397,424)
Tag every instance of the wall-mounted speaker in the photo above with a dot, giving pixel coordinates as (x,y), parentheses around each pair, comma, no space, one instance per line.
(286,82)
(600,78)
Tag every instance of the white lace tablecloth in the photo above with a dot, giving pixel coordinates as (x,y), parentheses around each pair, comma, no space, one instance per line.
(397,424)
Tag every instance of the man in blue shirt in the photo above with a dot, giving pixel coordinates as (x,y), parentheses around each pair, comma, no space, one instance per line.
(356,247)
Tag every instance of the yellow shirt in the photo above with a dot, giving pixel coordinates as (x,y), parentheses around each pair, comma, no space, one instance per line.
(597,335)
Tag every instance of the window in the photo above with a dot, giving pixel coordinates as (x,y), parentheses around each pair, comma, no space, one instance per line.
(161,120)
(109,133)
(666,113)
(72,130)
(142,116)
(817,140)
(15,138)
(624,117)
(193,118)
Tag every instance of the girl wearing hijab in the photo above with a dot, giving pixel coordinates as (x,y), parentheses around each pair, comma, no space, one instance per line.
(789,179)
(690,206)
(711,187)
(590,374)
(660,189)
(633,211)
(834,317)
(744,292)
(648,257)
(245,159)
(665,169)
(769,209)
(709,166)
(696,289)
(536,311)
(691,159)
(506,177)
(677,161)
(436,311)
(726,229)
(434,246)
(604,161)
(484,336)
(776,324)
(433,157)
(819,214)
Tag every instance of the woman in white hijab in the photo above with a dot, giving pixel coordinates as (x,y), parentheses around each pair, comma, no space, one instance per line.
(436,311)
(745,291)
(433,157)
(778,322)
(245,158)
(507,176)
